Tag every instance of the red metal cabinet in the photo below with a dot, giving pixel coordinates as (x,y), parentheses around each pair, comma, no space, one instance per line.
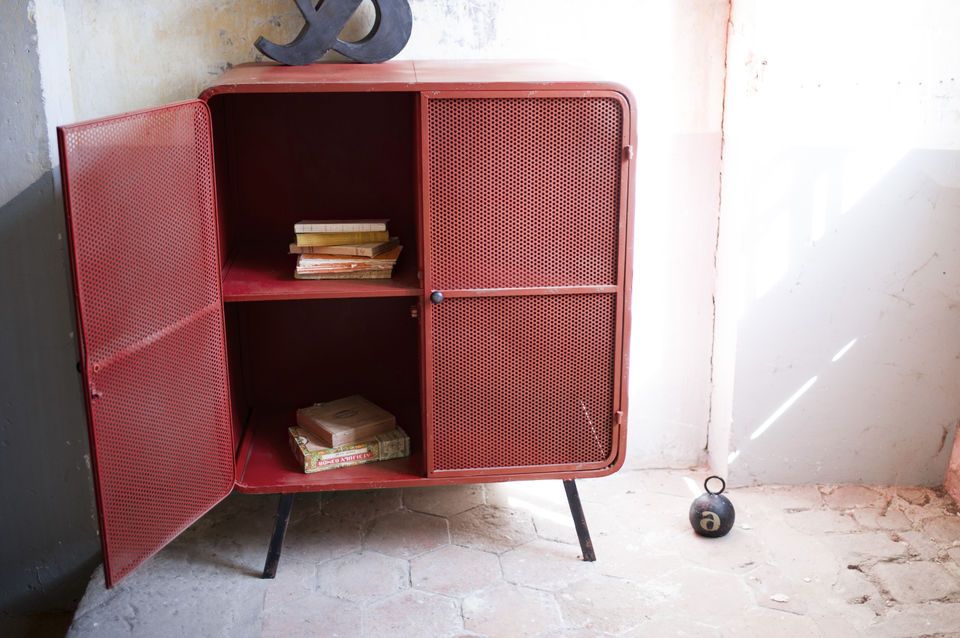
(510,187)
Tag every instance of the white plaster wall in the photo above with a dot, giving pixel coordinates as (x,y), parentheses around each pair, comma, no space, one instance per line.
(838,334)
(127,55)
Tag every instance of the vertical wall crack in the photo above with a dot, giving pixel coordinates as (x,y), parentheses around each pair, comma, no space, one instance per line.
(716,245)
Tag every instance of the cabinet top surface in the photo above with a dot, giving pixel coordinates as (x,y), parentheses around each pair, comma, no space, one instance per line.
(405,75)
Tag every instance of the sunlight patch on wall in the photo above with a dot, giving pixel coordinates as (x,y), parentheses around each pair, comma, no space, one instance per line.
(844,350)
(782,409)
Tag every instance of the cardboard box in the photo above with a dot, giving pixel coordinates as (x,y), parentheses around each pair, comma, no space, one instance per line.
(314,456)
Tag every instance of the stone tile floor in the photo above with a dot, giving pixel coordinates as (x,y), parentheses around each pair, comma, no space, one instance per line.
(503,560)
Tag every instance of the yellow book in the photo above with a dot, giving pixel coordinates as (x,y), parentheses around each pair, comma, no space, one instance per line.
(337,239)
(354,274)
(314,456)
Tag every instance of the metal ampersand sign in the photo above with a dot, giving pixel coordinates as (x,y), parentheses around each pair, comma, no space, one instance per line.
(324,22)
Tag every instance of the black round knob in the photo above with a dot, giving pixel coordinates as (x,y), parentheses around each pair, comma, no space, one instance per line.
(436,297)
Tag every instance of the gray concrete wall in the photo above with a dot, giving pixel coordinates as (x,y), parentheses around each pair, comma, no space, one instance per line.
(48,530)
(22,128)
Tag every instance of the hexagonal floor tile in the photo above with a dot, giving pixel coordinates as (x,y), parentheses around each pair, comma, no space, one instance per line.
(294,581)
(680,625)
(605,604)
(762,623)
(579,632)
(846,497)
(446,500)
(545,565)
(528,495)
(406,534)
(511,612)
(317,616)
(363,577)
(454,571)
(917,581)
(545,501)
(492,529)
(361,506)
(716,593)
(413,614)
(319,538)
(944,529)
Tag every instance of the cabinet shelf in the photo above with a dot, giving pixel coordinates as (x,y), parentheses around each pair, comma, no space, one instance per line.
(264,272)
(266,464)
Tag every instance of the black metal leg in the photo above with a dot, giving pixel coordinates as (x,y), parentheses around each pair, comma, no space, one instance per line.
(279,531)
(579,520)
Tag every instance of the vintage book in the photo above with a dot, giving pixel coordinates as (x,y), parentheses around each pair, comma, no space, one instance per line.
(341,263)
(315,457)
(371,249)
(339,266)
(336,239)
(359,274)
(339,225)
(383,258)
(346,420)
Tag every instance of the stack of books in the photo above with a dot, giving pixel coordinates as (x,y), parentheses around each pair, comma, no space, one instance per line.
(345,249)
(345,432)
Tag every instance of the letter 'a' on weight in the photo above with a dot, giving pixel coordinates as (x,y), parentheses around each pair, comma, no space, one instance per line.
(712,514)
(323,22)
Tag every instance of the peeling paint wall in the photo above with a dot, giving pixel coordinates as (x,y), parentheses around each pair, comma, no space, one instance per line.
(838,331)
(952,481)
(128,55)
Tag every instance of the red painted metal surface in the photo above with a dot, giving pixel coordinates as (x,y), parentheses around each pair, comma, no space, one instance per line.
(266,466)
(286,157)
(524,192)
(262,272)
(141,208)
(409,75)
(295,353)
(524,229)
(523,382)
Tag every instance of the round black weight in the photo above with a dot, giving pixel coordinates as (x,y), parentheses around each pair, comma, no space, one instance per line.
(712,514)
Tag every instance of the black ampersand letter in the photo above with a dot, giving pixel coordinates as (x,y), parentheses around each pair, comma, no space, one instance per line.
(324,22)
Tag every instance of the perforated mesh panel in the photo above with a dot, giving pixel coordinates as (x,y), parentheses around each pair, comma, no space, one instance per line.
(522,381)
(140,197)
(524,192)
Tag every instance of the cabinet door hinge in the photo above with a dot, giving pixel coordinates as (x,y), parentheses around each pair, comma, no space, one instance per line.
(628,153)
(618,417)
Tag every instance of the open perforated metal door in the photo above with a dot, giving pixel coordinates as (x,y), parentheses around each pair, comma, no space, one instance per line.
(524,236)
(141,213)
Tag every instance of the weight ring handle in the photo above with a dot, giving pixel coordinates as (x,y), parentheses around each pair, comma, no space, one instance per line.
(723,485)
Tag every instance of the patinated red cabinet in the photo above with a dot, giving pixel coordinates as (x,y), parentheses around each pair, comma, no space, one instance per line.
(510,187)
